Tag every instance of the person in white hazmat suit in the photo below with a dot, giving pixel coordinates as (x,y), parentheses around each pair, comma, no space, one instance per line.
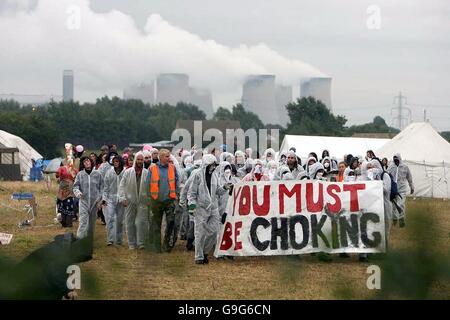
(133,196)
(375,172)
(114,208)
(402,176)
(88,188)
(203,196)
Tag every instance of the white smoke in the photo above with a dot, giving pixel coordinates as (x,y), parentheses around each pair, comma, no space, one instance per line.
(108,52)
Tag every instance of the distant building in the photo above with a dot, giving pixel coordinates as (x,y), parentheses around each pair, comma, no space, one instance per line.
(172,88)
(319,88)
(68,80)
(202,98)
(258,96)
(143,91)
(31,99)
(283,96)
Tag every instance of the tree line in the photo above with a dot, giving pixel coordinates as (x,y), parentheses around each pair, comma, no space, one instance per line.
(114,120)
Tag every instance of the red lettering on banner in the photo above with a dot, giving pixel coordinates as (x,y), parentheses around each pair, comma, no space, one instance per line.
(353,188)
(336,207)
(227,242)
(310,204)
(283,191)
(244,201)
(235,196)
(261,210)
(237,232)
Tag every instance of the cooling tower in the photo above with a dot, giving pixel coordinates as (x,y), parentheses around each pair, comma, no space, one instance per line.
(319,88)
(202,98)
(143,91)
(172,88)
(258,96)
(283,96)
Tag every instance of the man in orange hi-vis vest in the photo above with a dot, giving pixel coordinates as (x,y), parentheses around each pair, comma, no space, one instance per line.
(162,189)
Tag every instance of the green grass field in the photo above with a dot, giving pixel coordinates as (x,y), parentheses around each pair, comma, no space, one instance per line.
(416,267)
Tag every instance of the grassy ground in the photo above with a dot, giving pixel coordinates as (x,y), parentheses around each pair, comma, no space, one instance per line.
(118,273)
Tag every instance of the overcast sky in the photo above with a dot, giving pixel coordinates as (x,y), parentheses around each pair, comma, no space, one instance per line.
(217,42)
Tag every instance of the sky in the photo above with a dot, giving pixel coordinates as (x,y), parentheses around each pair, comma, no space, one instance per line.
(371,49)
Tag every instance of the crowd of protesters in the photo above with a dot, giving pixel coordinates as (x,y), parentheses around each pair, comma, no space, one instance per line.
(133,192)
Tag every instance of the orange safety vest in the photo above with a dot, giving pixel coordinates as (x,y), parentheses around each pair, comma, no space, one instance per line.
(154,182)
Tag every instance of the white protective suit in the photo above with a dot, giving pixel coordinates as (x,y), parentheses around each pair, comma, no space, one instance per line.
(402,176)
(136,213)
(206,214)
(89,189)
(224,179)
(114,211)
(377,173)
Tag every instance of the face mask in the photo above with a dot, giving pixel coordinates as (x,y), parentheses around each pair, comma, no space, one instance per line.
(227,173)
(258,169)
(326,165)
(319,175)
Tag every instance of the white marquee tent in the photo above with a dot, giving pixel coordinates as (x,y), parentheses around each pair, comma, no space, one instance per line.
(337,146)
(26,152)
(428,156)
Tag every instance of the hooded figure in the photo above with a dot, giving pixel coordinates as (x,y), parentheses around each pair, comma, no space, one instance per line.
(327,164)
(203,196)
(88,188)
(187,220)
(349,175)
(271,169)
(257,172)
(114,211)
(246,169)
(316,171)
(293,165)
(239,158)
(376,172)
(133,196)
(269,155)
(282,158)
(402,176)
(225,177)
(311,160)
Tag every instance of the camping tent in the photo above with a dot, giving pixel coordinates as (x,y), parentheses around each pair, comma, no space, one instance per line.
(337,146)
(25,151)
(428,156)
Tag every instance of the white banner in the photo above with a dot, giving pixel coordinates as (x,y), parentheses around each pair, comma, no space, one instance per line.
(298,217)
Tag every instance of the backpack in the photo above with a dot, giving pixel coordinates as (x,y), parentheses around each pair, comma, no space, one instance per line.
(394,188)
